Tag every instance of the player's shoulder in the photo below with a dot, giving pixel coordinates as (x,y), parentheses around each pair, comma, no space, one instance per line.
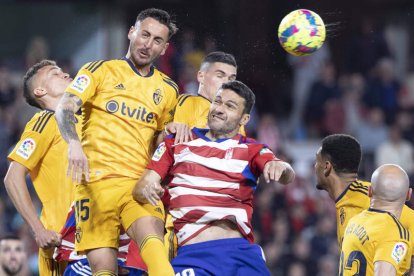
(189,99)
(168,82)
(41,121)
(359,187)
(98,65)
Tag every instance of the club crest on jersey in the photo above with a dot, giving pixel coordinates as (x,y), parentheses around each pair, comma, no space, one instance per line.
(157,96)
(159,152)
(399,251)
(342,216)
(78,234)
(26,148)
(80,83)
(229,154)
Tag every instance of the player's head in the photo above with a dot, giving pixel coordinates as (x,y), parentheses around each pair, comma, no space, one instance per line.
(231,108)
(12,254)
(150,35)
(216,69)
(44,81)
(390,183)
(338,154)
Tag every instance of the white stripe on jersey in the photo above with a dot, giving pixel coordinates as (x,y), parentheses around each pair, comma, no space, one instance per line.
(213,214)
(235,166)
(196,181)
(179,191)
(224,145)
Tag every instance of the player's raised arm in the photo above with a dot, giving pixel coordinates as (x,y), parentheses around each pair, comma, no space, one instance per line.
(65,115)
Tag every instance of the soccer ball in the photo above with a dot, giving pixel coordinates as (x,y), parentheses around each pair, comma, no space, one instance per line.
(301,32)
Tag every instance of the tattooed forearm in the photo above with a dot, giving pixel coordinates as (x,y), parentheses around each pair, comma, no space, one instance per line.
(65,115)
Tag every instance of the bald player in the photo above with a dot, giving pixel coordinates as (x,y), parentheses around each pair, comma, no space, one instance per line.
(375,242)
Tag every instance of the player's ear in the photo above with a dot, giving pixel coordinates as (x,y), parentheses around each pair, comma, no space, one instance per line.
(245,119)
(39,92)
(165,48)
(410,191)
(131,32)
(200,76)
(370,191)
(328,168)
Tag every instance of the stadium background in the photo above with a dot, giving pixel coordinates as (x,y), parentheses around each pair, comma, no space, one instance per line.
(361,82)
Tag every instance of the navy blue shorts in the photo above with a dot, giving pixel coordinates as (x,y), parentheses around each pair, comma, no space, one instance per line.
(82,268)
(220,257)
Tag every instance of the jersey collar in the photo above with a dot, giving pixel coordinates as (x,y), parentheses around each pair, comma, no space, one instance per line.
(201,133)
(131,64)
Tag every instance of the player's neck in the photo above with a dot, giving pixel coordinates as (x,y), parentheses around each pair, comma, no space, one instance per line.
(340,184)
(204,94)
(390,207)
(213,135)
(143,70)
(50,104)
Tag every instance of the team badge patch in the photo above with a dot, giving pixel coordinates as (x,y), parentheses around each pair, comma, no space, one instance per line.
(80,83)
(399,251)
(26,148)
(159,152)
(157,96)
(342,216)
(78,234)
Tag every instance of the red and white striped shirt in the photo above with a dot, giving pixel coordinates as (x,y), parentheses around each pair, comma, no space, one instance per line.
(211,181)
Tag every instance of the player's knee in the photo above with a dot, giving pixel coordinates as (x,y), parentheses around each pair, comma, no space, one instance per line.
(104,273)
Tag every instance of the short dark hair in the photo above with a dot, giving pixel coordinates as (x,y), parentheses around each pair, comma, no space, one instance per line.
(343,151)
(161,16)
(243,91)
(28,78)
(9,236)
(218,57)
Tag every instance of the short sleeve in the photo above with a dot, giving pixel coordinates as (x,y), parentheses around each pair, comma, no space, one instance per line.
(182,110)
(261,155)
(87,80)
(392,252)
(163,158)
(36,139)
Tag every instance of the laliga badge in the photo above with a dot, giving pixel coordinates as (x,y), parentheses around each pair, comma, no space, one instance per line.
(26,148)
(159,152)
(399,251)
(80,83)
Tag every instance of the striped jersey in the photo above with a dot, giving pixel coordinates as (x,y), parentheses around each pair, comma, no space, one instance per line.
(66,251)
(211,181)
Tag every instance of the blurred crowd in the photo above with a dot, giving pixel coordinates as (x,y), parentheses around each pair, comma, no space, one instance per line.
(295,224)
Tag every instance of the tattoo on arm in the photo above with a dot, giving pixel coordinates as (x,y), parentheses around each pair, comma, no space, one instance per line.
(65,115)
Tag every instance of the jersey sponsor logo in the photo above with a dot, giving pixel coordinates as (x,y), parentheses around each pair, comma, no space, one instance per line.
(157,96)
(186,272)
(80,83)
(139,113)
(399,251)
(159,152)
(120,86)
(26,148)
